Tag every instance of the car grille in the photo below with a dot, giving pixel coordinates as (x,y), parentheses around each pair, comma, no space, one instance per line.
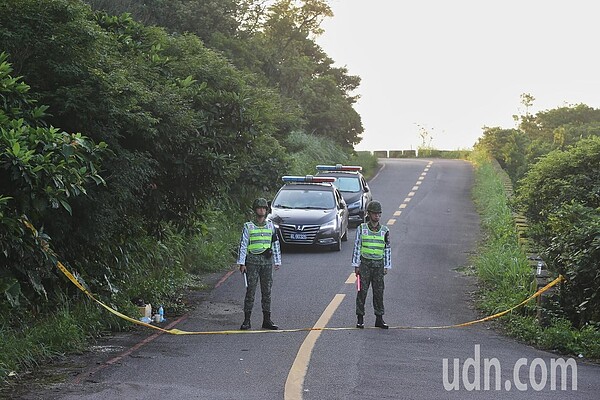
(293,234)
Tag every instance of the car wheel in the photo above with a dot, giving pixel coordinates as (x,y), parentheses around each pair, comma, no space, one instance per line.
(338,245)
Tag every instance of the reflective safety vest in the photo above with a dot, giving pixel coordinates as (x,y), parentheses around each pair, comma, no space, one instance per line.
(373,243)
(259,238)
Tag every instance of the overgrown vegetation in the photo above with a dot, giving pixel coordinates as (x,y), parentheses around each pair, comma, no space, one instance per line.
(507,279)
(173,100)
(132,132)
(553,160)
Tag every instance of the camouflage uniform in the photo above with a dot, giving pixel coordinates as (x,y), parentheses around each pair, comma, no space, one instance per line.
(258,267)
(371,271)
(259,250)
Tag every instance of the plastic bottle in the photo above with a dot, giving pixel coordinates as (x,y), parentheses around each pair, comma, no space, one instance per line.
(161,312)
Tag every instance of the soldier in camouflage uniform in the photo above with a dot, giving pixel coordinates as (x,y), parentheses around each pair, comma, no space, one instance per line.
(259,250)
(371,260)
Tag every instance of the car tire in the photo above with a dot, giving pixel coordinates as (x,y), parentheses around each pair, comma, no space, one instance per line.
(338,245)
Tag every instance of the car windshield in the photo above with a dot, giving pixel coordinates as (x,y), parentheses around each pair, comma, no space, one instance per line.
(305,199)
(347,184)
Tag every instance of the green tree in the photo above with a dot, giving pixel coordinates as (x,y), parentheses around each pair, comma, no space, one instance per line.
(179,118)
(507,146)
(560,196)
(41,170)
(273,41)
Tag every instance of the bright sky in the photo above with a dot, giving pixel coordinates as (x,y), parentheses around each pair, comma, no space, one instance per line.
(453,67)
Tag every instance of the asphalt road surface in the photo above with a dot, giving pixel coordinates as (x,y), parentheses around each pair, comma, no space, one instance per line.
(434,229)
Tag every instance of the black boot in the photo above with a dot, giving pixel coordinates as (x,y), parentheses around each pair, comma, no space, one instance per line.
(380,323)
(246,324)
(267,323)
(360,321)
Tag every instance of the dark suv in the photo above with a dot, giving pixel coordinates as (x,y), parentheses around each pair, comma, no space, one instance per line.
(309,210)
(353,186)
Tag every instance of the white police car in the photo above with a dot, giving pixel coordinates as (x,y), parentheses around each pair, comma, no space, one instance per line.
(353,187)
(310,210)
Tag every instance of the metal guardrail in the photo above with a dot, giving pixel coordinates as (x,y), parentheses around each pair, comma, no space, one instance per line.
(415,153)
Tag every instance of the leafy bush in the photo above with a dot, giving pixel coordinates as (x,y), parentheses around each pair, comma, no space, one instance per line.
(560,196)
(41,170)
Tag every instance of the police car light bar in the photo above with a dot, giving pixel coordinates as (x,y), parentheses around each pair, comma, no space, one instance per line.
(307,179)
(339,167)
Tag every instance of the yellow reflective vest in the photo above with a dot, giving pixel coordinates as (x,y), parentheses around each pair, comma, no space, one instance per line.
(259,238)
(373,243)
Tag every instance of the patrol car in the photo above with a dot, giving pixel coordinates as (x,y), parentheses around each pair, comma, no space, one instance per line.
(310,210)
(353,187)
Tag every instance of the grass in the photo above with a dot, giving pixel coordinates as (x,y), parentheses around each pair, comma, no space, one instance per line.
(506,278)
(68,330)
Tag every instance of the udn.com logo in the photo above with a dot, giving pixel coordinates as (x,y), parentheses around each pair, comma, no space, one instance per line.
(486,374)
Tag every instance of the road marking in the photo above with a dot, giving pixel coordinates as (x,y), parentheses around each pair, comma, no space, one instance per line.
(418,182)
(295,380)
(423,173)
(391,221)
(406,200)
(421,178)
(402,205)
(351,278)
(410,194)
(397,213)
(415,188)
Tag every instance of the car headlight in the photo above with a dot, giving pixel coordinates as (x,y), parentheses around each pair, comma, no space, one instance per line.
(275,224)
(356,204)
(329,225)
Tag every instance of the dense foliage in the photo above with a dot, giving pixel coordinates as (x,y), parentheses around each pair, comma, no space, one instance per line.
(184,98)
(41,170)
(553,158)
(505,274)
(561,198)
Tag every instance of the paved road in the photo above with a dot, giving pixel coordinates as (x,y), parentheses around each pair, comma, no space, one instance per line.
(434,228)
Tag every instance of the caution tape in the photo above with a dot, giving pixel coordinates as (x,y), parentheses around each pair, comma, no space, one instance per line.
(76,282)
(72,278)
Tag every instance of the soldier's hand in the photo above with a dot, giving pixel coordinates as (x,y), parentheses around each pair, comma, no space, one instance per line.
(276,267)
(356,271)
(242,268)
(385,271)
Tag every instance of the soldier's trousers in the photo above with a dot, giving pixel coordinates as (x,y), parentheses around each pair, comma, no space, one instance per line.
(258,268)
(371,272)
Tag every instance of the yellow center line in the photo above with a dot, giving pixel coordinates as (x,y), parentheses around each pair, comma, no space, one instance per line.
(351,278)
(295,380)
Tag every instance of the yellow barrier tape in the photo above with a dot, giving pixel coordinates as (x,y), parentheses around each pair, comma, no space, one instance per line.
(74,280)
(180,332)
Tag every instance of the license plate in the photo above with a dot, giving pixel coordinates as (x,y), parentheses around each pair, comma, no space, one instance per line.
(298,236)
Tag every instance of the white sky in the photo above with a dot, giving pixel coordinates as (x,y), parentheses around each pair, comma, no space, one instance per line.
(454,66)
